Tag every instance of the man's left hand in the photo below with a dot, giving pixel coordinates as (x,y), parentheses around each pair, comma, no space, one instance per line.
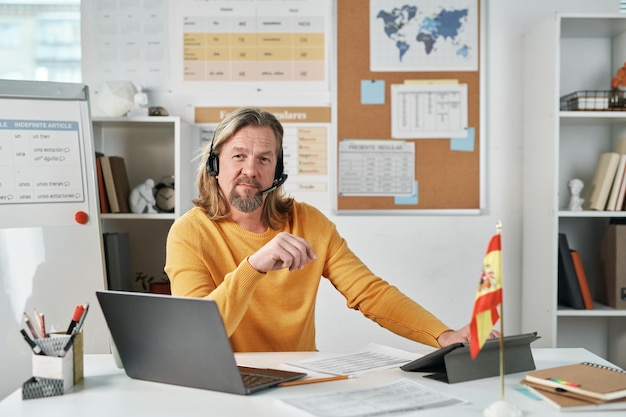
(459,336)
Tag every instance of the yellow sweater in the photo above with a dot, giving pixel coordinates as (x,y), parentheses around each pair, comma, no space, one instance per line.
(276,311)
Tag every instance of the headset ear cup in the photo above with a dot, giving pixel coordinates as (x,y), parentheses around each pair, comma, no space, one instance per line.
(213,165)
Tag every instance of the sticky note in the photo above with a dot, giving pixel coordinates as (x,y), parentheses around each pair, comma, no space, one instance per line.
(372,91)
(465,144)
(408,199)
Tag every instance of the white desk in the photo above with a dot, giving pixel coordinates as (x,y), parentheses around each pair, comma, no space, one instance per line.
(107,391)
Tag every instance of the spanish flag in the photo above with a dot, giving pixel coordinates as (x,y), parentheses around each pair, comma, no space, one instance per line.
(488,297)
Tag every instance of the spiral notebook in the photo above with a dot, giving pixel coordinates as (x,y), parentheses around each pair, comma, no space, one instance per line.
(566,401)
(585,379)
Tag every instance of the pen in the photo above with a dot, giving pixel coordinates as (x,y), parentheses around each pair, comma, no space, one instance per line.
(81,321)
(78,313)
(34,346)
(68,345)
(31,328)
(41,322)
(315,380)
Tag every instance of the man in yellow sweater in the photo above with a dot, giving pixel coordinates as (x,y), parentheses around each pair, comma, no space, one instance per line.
(260,255)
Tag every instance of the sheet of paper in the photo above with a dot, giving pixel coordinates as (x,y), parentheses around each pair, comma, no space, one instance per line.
(401,396)
(373,358)
(424,111)
(127,40)
(371,167)
(229,46)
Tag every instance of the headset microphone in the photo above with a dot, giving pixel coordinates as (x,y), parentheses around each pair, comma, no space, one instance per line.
(277,183)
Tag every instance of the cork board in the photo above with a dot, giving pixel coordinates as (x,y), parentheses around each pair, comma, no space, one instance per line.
(446,178)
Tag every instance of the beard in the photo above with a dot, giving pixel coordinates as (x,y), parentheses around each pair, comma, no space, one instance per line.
(247,202)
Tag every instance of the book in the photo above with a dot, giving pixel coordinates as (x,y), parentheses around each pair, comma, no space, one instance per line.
(117,261)
(109,185)
(102,193)
(585,380)
(116,183)
(571,402)
(602,180)
(613,263)
(121,183)
(583,283)
(620,147)
(621,195)
(569,293)
(612,204)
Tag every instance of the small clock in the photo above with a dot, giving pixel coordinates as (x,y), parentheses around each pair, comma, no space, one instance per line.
(164,195)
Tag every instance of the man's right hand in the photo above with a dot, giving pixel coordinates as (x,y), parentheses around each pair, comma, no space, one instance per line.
(284,251)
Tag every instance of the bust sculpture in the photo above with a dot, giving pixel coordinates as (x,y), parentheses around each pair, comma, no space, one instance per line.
(575,187)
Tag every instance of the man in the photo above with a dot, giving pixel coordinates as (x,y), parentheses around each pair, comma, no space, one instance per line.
(260,254)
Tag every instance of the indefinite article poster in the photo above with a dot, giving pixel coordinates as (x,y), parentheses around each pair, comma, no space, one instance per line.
(40,162)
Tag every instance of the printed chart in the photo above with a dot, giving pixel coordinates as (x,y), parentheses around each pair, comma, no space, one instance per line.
(254,48)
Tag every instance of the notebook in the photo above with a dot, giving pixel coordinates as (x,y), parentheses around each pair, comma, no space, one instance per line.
(565,401)
(584,379)
(180,341)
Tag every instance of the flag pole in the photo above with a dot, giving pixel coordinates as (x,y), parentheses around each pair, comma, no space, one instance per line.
(501,408)
(499,231)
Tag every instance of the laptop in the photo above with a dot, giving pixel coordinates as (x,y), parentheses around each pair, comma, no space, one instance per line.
(180,341)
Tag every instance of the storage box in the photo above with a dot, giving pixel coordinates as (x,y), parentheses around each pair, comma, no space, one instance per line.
(54,374)
(613,259)
(593,100)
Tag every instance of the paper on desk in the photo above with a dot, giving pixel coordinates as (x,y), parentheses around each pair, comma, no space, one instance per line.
(401,396)
(373,358)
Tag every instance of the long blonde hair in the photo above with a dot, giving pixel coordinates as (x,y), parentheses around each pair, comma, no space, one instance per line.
(277,207)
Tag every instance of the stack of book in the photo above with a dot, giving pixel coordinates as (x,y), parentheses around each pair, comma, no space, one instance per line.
(608,186)
(113,184)
(580,387)
(573,286)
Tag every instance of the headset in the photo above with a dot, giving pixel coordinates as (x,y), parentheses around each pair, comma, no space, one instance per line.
(213,168)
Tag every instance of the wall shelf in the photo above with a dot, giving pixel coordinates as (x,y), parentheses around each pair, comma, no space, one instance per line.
(152,147)
(564,54)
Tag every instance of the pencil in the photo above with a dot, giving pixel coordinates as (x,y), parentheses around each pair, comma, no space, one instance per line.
(33,331)
(315,380)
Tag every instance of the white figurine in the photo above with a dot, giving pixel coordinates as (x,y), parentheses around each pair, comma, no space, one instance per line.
(140,108)
(141,199)
(575,187)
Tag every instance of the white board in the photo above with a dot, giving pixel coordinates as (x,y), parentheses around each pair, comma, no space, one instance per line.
(51,256)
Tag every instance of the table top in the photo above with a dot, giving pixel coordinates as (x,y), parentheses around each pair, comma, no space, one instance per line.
(107,391)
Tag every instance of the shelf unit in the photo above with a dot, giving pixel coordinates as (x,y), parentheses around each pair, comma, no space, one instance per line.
(152,147)
(564,54)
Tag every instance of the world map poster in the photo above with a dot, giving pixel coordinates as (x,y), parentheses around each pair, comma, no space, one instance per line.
(424,35)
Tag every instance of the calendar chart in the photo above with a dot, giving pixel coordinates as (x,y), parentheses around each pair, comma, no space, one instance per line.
(289,47)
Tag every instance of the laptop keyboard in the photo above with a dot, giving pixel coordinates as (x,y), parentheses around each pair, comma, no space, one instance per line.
(254,380)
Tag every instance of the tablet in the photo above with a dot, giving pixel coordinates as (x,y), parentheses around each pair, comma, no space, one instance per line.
(456,359)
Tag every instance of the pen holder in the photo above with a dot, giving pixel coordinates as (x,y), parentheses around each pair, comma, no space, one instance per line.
(54,374)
